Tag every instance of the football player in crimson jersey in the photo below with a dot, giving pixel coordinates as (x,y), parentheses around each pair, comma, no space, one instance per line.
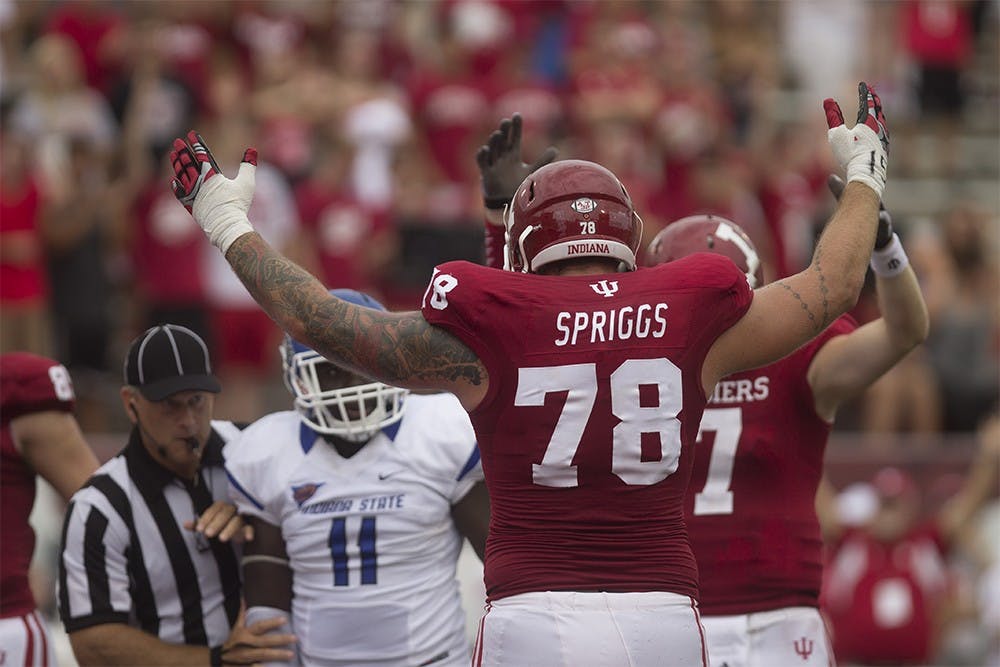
(758,457)
(584,379)
(39,436)
(758,543)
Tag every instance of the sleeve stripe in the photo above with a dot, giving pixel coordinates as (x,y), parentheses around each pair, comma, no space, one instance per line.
(89,621)
(470,464)
(145,602)
(185,574)
(127,558)
(225,558)
(94,562)
(64,611)
(246,494)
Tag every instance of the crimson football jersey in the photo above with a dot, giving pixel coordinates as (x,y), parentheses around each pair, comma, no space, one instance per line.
(592,410)
(881,598)
(750,505)
(28,384)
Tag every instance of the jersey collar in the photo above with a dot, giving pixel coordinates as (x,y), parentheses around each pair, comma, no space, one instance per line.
(308,437)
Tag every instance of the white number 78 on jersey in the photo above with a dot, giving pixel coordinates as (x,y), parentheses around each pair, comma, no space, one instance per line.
(581,384)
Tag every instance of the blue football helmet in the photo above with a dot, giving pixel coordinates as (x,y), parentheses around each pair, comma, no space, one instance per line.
(335,401)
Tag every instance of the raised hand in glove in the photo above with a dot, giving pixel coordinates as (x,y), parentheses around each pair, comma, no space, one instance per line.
(884,233)
(863,150)
(219,204)
(500,164)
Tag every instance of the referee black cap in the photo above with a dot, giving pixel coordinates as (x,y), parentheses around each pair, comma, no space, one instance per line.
(167,359)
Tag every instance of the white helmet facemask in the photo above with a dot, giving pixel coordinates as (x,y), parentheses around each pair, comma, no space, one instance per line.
(355,413)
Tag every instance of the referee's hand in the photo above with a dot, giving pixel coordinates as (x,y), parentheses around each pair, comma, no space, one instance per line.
(250,645)
(221,520)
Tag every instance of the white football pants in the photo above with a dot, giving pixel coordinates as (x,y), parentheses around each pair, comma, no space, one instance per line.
(789,636)
(25,640)
(570,629)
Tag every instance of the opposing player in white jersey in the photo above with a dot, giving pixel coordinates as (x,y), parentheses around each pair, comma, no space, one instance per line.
(359,510)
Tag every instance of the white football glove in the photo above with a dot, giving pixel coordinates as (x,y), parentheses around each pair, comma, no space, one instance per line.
(219,204)
(863,150)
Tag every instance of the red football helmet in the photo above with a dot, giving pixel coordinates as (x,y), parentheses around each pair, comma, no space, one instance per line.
(568,209)
(707,233)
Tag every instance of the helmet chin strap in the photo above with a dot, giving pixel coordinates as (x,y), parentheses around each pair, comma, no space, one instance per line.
(507,221)
(525,268)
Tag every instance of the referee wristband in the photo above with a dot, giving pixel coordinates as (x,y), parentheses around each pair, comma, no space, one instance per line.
(891,260)
(215,656)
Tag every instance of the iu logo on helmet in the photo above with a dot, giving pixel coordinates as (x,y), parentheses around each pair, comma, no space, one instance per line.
(804,647)
(605,287)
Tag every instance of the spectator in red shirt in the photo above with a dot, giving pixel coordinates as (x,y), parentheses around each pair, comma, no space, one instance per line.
(23,284)
(165,248)
(938,39)
(886,580)
(97,30)
(353,241)
(451,106)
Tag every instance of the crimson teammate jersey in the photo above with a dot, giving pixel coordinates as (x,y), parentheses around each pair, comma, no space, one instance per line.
(592,410)
(28,384)
(750,505)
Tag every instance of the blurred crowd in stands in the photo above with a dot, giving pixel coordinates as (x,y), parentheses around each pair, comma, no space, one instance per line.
(367,115)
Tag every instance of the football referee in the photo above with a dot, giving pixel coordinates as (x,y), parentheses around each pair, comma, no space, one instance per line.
(137,586)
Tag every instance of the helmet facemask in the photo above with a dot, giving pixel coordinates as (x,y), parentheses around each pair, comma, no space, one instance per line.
(354,413)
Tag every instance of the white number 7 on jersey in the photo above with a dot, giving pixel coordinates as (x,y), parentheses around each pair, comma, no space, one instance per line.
(716,497)
(580,383)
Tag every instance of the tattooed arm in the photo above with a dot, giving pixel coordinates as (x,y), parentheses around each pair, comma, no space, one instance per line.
(846,365)
(788,313)
(400,349)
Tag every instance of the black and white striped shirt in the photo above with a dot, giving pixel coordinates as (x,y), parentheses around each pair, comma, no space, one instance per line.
(127,558)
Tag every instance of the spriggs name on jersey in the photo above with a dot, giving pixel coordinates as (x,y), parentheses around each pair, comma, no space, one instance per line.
(597,326)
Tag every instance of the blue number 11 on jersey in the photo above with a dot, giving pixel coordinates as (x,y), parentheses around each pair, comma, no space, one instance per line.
(366,545)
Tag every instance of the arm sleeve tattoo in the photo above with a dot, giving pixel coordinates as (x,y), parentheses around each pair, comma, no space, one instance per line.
(397,348)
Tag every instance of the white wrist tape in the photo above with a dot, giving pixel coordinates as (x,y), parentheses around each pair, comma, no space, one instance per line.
(222,204)
(890,260)
(861,170)
(224,237)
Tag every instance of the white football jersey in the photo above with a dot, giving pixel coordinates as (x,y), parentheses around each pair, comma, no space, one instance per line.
(370,538)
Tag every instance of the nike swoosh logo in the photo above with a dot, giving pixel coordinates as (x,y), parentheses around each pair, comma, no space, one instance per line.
(387,475)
